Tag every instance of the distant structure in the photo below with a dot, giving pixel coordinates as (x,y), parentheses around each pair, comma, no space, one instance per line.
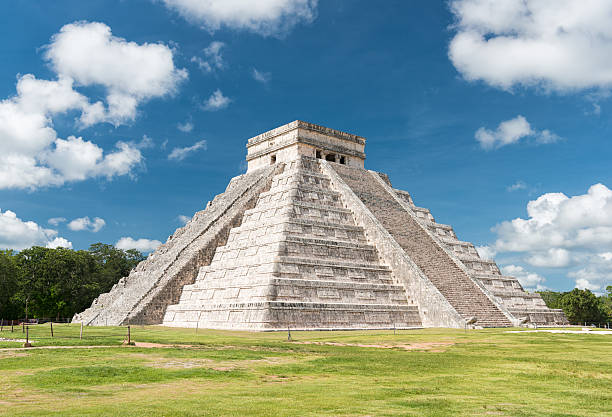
(309,239)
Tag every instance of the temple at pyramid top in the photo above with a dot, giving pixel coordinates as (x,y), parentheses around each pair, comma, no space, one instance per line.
(298,138)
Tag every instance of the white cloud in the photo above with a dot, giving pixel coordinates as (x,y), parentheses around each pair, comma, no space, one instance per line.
(529,280)
(31,154)
(183,219)
(216,101)
(18,234)
(143,245)
(178,154)
(519,185)
(214,59)
(266,17)
(54,221)
(565,232)
(511,131)
(552,258)
(262,77)
(185,127)
(559,45)
(84,223)
(59,242)
(89,54)
(85,54)
(486,252)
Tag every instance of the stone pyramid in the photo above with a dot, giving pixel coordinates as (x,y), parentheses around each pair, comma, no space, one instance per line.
(309,239)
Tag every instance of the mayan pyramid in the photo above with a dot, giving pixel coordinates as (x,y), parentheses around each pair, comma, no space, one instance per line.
(309,239)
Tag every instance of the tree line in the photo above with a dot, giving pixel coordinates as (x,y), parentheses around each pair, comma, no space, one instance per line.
(581,306)
(52,283)
(57,283)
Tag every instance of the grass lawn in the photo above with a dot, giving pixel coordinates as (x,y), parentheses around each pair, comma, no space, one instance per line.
(431,372)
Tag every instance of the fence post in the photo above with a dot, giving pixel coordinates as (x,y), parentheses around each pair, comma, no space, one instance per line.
(288,333)
(51,328)
(27,342)
(22,327)
(11,325)
(81,335)
(129,336)
(1,325)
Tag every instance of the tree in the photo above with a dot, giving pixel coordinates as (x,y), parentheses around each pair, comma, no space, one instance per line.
(113,264)
(606,301)
(10,275)
(552,298)
(581,306)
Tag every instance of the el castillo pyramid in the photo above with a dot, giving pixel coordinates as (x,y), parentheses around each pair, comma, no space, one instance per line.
(309,239)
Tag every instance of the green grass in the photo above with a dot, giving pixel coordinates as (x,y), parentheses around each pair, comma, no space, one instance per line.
(479,372)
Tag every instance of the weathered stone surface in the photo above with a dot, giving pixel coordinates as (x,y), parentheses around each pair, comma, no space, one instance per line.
(298,260)
(142,297)
(309,239)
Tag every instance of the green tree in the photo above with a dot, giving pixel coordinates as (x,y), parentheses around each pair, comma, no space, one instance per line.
(113,264)
(606,302)
(552,298)
(581,306)
(10,275)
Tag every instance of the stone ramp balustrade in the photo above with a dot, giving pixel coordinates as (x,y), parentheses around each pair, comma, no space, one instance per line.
(456,286)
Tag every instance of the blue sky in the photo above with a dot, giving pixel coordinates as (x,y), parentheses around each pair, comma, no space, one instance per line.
(119,117)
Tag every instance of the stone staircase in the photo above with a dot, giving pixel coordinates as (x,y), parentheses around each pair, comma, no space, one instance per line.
(506,290)
(297,260)
(450,279)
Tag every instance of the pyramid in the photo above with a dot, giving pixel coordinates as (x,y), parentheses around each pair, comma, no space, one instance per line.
(310,239)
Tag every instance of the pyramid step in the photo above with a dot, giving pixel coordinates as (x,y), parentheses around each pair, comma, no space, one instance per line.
(272,315)
(320,248)
(295,290)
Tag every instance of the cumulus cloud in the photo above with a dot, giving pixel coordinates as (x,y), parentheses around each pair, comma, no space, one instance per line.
(55,221)
(565,232)
(486,252)
(143,245)
(19,234)
(265,17)
(84,223)
(185,127)
(560,45)
(212,57)
(178,154)
(262,77)
(512,131)
(82,54)
(59,242)
(216,101)
(89,54)
(529,280)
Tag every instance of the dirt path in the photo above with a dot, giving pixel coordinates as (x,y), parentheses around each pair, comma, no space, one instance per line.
(136,344)
(430,346)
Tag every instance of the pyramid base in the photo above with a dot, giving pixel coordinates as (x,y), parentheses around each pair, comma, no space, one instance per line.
(277,315)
